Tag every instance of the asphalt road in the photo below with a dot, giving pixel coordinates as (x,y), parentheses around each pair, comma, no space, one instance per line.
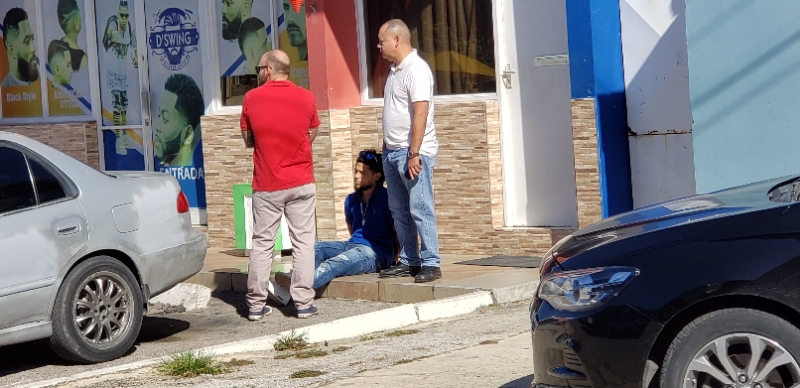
(488,348)
(224,320)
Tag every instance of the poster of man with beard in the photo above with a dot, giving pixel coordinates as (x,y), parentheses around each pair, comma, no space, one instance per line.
(21,90)
(239,44)
(293,40)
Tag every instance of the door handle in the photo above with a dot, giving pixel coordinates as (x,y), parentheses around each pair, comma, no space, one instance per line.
(146,108)
(67,229)
(507,76)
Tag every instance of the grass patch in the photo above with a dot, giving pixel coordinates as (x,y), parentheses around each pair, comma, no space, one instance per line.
(302,354)
(292,341)
(488,342)
(367,337)
(404,361)
(235,362)
(310,353)
(398,333)
(340,349)
(191,364)
(306,373)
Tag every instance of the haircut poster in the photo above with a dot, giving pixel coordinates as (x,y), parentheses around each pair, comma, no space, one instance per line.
(120,98)
(66,60)
(292,40)
(245,33)
(176,96)
(20,68)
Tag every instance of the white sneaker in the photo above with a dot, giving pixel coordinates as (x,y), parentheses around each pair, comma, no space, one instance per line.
(278,293)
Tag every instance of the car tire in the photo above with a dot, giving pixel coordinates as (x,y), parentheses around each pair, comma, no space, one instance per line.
(733,334)
(97,313)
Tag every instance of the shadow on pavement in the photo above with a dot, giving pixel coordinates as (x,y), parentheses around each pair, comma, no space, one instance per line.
(523,382)
(36,354)
(236,300)
(160,329)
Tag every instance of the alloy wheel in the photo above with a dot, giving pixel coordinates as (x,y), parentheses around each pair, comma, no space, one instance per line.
(102,309)
(743,360)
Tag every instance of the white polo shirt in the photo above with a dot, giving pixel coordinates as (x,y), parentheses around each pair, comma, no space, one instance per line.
(410,81)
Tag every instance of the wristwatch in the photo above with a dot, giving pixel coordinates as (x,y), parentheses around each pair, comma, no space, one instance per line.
(412,155)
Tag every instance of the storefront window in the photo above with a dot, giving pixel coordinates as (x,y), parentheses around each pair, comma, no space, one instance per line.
(455,37)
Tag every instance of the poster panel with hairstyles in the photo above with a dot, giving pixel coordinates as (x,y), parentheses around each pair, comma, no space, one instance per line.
(65,59)
(20,64)
(177,102)
(244,35)
(292,40)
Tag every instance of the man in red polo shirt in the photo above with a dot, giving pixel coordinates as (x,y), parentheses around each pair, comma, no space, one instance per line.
(280,121)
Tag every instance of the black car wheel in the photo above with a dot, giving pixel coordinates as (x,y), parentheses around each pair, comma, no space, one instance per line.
(734,348)
(97,313)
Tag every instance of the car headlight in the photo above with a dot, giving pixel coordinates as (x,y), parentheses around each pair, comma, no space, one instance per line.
(585,289)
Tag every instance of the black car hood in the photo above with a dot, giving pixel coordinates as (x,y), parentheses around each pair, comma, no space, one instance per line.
(747,198)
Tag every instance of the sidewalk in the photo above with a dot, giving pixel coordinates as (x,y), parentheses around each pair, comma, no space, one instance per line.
(226,270)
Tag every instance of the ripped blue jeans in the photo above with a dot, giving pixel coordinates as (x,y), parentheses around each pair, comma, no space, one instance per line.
(335,259)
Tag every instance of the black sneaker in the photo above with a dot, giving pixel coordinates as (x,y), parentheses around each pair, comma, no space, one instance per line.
(428,274)
(399,270)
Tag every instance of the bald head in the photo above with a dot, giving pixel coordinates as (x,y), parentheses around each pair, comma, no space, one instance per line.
(394,41)
(277,60)
(398,28)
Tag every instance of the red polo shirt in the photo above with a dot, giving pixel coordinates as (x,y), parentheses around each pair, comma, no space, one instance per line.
(280,114)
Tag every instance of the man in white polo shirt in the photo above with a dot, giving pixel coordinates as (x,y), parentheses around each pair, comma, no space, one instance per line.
(409,154)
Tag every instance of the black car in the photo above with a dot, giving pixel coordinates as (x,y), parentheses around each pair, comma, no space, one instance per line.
(700,292)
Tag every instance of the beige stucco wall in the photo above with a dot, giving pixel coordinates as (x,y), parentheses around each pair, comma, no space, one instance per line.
(467,178)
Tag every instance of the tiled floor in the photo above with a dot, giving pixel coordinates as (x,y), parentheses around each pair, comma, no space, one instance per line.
(226,270)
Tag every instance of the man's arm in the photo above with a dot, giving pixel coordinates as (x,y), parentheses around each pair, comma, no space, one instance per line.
(312,134)
(418,125)
(350,229)
(249,140)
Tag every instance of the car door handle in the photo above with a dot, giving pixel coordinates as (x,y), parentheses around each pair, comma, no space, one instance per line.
(67,229)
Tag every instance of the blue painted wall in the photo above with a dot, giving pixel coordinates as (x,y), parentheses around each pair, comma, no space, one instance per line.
(744,74)
(595,52)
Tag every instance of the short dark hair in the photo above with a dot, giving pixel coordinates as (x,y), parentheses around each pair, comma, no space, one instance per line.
(11,22)
(56,47)
(373,160)
(248,27)
(190,100)
(65,8)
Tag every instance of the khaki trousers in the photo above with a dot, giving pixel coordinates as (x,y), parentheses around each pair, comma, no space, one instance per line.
(298,205)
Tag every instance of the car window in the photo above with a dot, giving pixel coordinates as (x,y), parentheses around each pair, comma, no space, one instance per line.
(47,185)
(16,189)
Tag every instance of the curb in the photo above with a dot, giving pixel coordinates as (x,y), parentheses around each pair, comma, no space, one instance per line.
(382,320)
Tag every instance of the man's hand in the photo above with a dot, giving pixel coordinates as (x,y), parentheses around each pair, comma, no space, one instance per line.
(414,167)
(249,140)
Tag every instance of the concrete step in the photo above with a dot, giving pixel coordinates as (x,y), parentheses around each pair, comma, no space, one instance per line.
(227,271)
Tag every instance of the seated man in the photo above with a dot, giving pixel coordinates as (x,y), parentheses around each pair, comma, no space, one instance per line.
(372,245)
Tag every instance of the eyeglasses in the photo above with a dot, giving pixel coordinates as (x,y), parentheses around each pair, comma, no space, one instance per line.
(259,68)
(123,16)
(368,155)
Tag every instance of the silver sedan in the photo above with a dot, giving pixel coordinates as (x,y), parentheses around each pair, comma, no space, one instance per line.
(81,252)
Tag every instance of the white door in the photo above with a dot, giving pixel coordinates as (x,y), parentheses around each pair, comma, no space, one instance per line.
(151,89)
(536,113)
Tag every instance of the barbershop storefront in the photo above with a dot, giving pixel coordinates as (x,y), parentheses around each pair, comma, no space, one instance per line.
(157,85)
